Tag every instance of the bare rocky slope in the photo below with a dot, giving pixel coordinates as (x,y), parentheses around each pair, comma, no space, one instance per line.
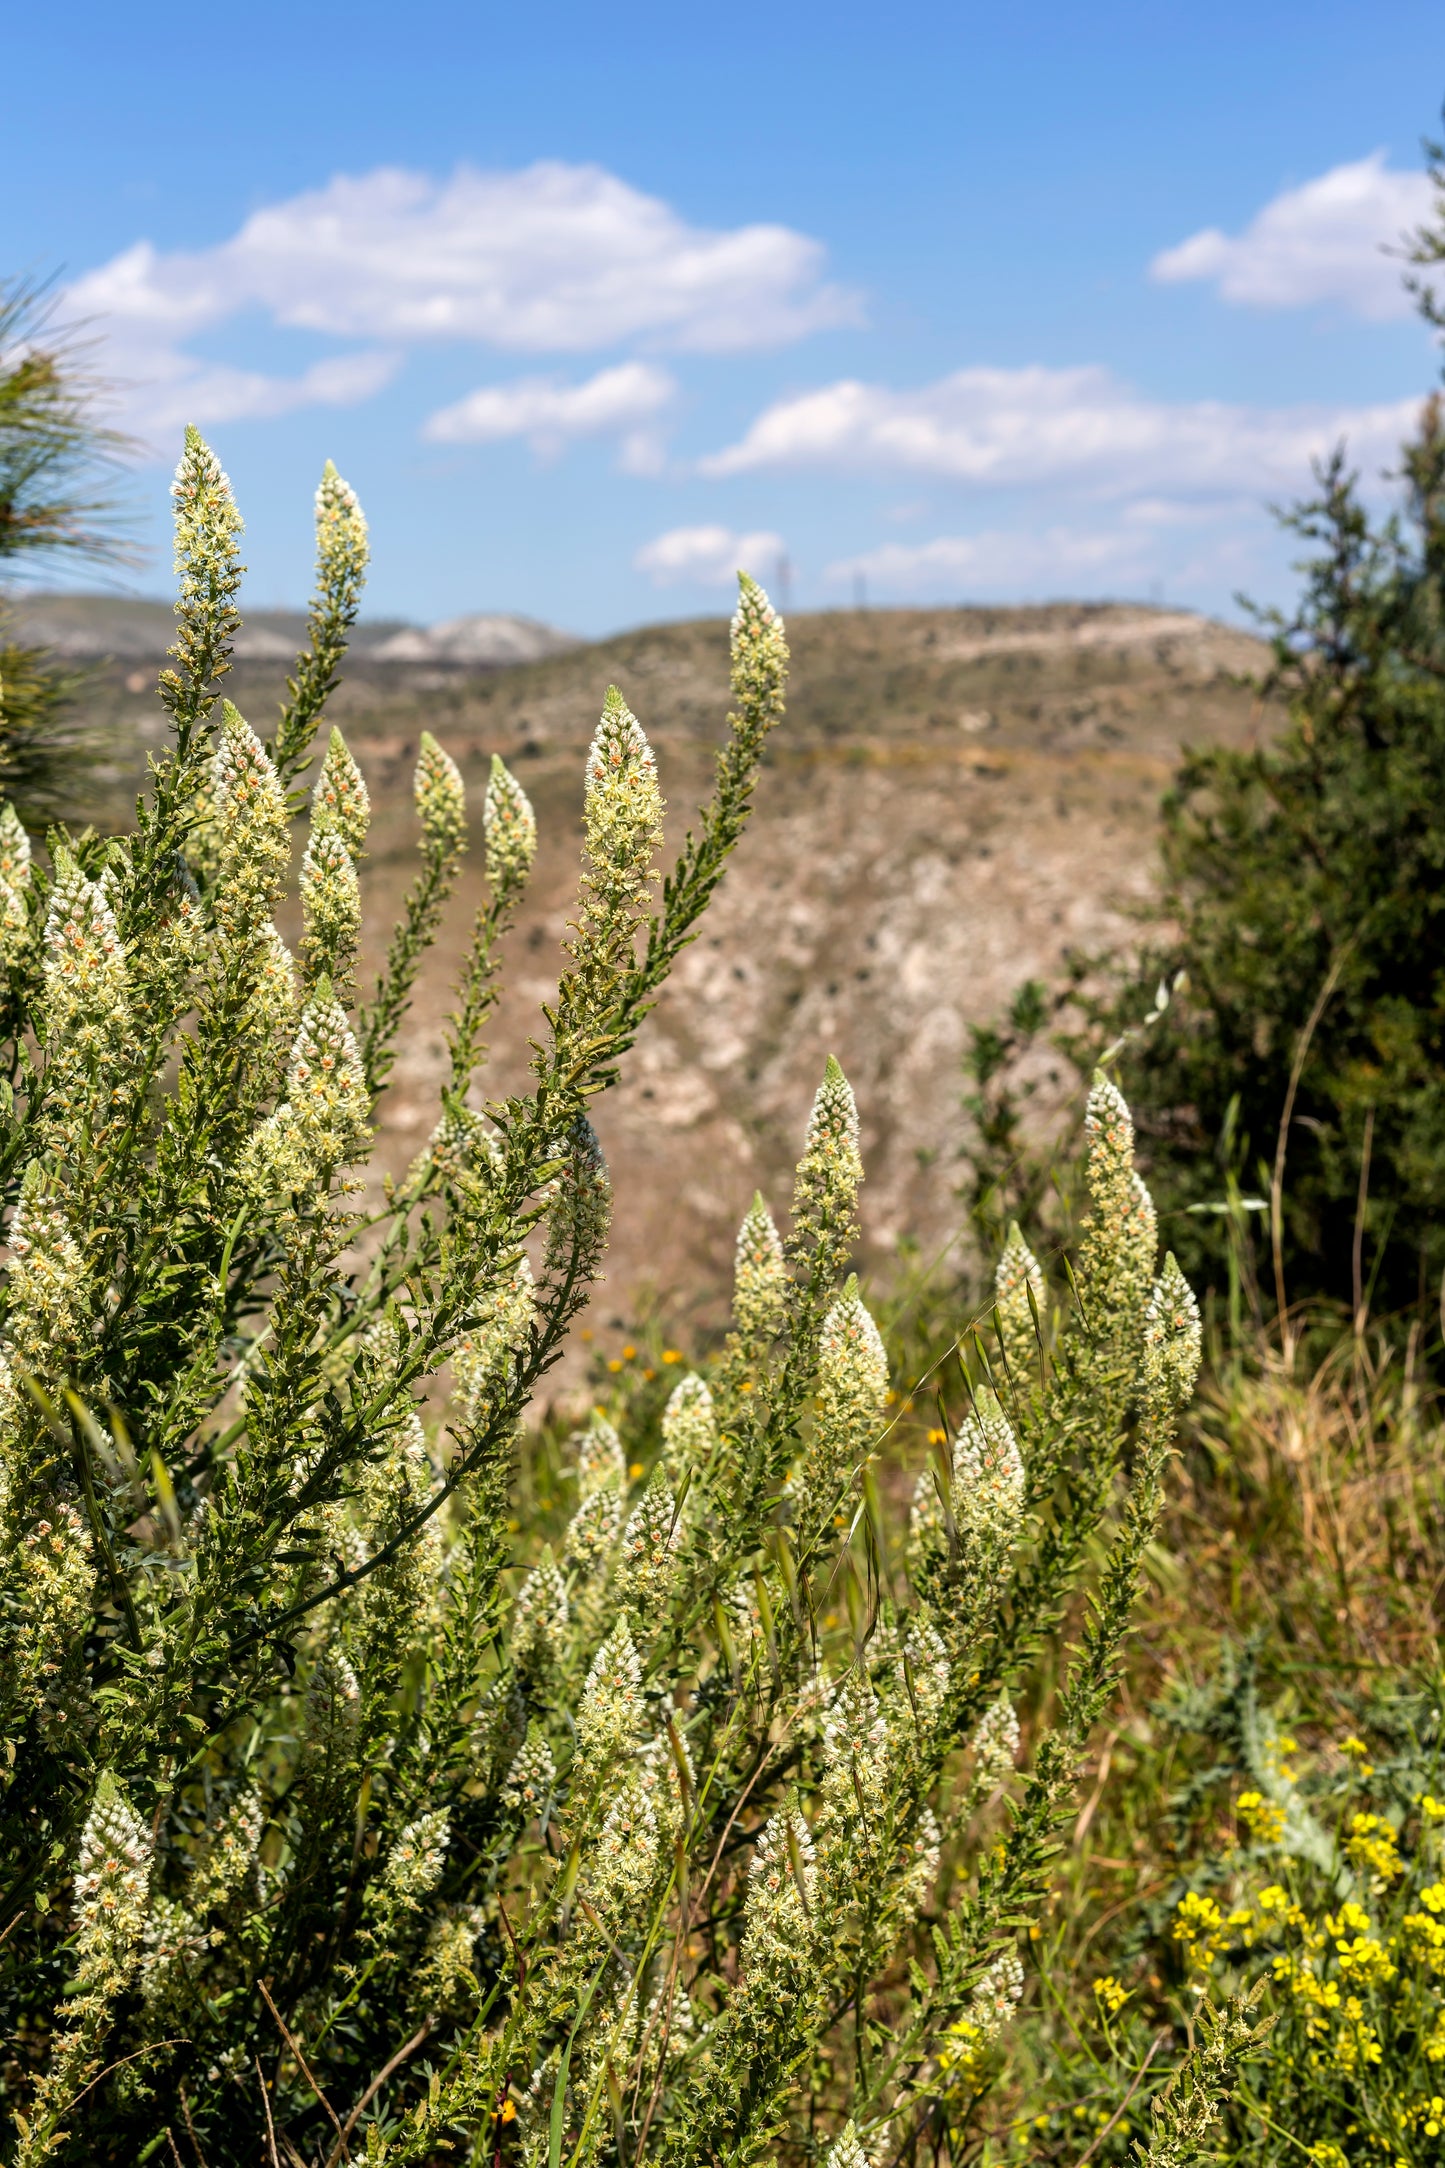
(956,799)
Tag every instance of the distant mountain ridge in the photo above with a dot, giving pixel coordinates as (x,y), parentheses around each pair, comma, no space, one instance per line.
(124,628)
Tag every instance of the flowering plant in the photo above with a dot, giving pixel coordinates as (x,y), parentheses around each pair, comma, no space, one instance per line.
(343,1819)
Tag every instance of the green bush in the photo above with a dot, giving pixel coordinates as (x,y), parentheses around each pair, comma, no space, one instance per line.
(54,457)
(344,1817)
(1284,1017)
(1284,1012)
(1308,883)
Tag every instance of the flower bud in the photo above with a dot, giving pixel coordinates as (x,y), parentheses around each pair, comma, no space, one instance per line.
(342,544)
(441,799)
(1018,1277)
(689,1427)
(760,1276)
(610,1711)
(340,803)
(330,910)
(510,828)
(1172,1340)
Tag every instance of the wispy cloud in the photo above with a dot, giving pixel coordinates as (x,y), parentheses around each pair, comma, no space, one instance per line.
(1082,428)
(1323,241)
(554,258)
(708,556)
(1127,549)
(625,401)
(996,559)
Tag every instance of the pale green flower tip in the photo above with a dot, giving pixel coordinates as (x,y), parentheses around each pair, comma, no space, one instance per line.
(833,1121)
(1020,1296)
(509,826)
(341,803)
(341,530)
(1106,1102)
(755,616)
(441,797)
(1173,1337)
(619,752)
(760,1272)
(199,473)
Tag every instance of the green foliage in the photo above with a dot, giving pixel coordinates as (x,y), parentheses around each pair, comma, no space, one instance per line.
(53,452)
(356,1805)
(1289,1022)
(1308,882)
(1315,1894)
(1285,1014)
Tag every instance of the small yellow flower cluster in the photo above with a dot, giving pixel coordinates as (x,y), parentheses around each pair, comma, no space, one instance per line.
(1260,1817)
(1318,2000)
(1198,1929)
(960,2058)
(1357,2043)
(1425,2116)
(1110,1994)
(1359,1754)
(1424,1935)
(1372,1843)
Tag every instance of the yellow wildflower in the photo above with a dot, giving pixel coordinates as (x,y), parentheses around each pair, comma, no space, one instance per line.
(1371,1843)
(1425,1940)
(1198,1928)
(1260,1817)
(1110,1995)
(961,2053)
(1366,1960)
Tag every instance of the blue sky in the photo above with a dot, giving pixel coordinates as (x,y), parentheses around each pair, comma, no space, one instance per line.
(942,303)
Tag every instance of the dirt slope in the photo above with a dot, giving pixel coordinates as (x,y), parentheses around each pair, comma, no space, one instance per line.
(957,797)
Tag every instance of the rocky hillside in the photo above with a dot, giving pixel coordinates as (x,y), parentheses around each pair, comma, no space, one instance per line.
(957,797)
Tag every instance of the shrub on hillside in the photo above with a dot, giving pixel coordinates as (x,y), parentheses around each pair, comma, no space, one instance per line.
(1306,1046)
(1291,985)
(343,1817)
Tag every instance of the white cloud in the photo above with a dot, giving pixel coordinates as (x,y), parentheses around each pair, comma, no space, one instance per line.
(998,560)
(623,401)
(1081,428)
(708,556)
(554,258)
(174,388)
(1323,241)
